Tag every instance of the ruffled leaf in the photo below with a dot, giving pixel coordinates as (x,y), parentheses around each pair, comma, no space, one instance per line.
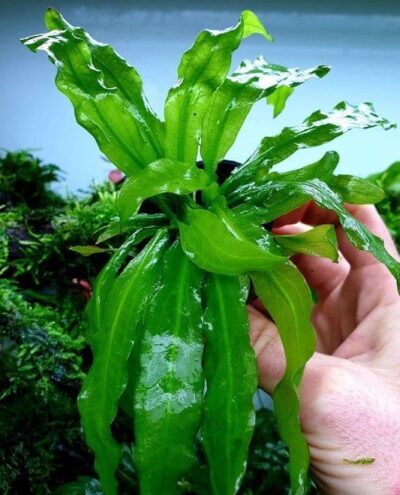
(106,94)
(319,128)
(233,100)
(202,69)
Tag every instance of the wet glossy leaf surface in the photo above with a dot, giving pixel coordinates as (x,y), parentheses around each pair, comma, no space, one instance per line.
(169,389)
(159,177)
(106,94)
(229,359)
(225,251)
(151,316)
(278,198)
(145,221)
(202,69)
(319,128)
(115,311)
(233,100)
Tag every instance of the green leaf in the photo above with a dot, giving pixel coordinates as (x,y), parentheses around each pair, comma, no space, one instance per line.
(88,250)
(278,99)
(106,94)
(202,69)
(116,227)
(233,100)
(356,190)
(231,377)
(287,298)
(319,241)
(82,486)
(322,169)
(389,180)
(116,309)
(218,246)
(319,128)
(294,194)
(170,383)
(161,176)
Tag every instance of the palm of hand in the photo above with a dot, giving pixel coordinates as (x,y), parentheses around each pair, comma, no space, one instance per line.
(350,397)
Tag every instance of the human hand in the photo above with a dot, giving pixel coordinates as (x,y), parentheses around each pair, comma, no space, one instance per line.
(350,394)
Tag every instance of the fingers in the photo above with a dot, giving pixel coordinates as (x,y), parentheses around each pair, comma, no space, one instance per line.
(321,274)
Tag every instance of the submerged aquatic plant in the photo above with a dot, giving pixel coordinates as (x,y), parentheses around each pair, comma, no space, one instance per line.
(168,313)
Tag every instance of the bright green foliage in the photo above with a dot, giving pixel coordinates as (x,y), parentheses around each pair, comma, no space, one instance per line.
(169,385)
(105,92)
(229,359)
(159,177)
(233,100)
(227,251)
(319,241)
(181,293)
(202,70)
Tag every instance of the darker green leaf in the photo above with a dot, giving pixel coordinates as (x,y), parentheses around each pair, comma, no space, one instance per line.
(319,128)
(277,198)
(115,311)
(169,386)
(231,376)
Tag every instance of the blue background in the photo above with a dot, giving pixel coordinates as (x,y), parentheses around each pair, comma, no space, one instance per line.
(360,40)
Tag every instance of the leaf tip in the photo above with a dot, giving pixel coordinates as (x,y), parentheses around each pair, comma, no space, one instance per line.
(253,25)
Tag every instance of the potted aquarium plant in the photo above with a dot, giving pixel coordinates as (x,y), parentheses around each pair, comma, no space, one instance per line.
(168,319)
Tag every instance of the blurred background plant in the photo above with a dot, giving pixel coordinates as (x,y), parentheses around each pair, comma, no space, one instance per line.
(43,355)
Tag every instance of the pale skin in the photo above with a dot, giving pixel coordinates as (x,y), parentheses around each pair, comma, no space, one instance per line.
(350,394)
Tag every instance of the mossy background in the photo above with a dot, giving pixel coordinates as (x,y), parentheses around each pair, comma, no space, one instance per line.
(43,355)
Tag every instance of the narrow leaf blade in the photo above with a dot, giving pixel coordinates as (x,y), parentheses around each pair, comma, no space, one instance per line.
(319,128)
(112,342)
(286,296)
(229,360)
(233,100)
(169,388)
(356,190)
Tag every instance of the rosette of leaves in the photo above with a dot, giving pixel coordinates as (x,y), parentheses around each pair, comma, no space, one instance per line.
(169,327)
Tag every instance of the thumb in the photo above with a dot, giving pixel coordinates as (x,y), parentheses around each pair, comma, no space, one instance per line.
(267,345)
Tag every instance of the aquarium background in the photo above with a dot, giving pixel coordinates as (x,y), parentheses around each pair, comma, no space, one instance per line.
(359,39)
